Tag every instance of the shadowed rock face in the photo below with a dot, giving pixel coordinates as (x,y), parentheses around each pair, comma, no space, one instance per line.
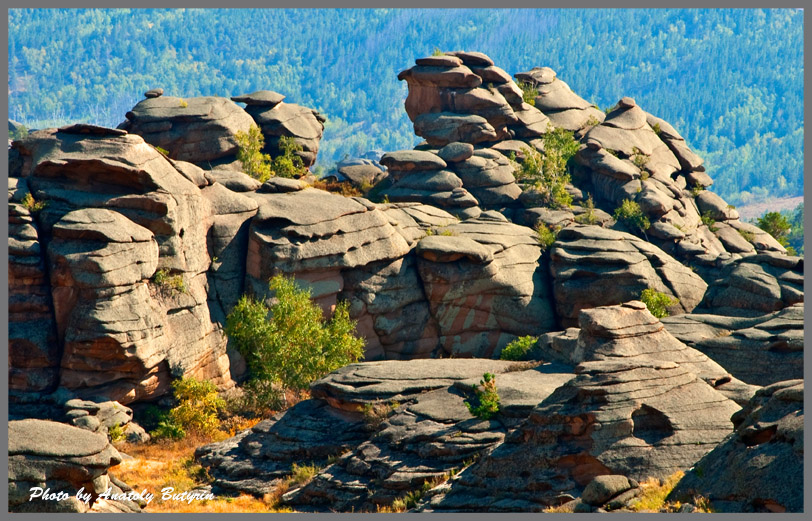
(53,455)
(759,350)
(609,419)
(760,467)
(593,266)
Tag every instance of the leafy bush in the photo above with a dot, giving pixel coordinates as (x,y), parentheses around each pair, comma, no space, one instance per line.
(288,164)
(173,283)
(254,162)
(295,345)
(33,205)
(776,225)
(302,474)
(708,221)
(548,174)
(696,190)
(163,151)
(198,406)
(747,235)
(116,433)
(630,214)
(545,235)
(517,349)
(656,128)
(657,302)
(529,93)
(487,400)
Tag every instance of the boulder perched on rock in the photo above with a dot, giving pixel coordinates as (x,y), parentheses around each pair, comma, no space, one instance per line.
(760,467)
(198,130)
(279,119)
(62,458)
(759,350)
(593,266)
(558,102)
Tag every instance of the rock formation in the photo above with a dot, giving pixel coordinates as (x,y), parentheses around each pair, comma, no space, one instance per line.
(54,456)
(760,467)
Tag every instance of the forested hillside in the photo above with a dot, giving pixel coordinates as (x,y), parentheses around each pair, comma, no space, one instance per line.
(731,81)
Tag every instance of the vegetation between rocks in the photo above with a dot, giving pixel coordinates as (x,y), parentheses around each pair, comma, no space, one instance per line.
(289,344)
(518,349)
(32,205)
(261,166)
(486,404)
(173,283)
(657,302)
(631,215)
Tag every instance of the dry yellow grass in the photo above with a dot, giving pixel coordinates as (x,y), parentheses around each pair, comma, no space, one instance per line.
(171,464)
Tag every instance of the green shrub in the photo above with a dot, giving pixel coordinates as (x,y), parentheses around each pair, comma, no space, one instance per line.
(33,205)
(630,214)
(198,406)
(548,174)
(288,163)
(776,225)
(168,430)
(254,162)
(696,190)
(747,235)
(529,93)
(173,283)
(639,159)
(545,236)
(657,302)
(164,152)
(517,349)
(116,433)
(302,474)
(437,52)
(708,221)
(295,345)
(588,217)
(656,129)
(486,403)
(592,121)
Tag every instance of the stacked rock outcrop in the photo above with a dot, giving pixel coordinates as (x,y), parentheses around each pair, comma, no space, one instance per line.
(760,467)
(277,119)
(116,212)
(66,459)
(558,102)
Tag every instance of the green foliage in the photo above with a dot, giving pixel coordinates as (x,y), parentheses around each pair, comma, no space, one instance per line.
(656,128)
(446,232)
(198,406)
(776,225)
(588,217)
(657,302)
(696,190)
(630,214)
(708,221)
(183,104)
(486,404)
(517,349)
(795,238)
(33,205)
(302,474)
(529,93)
(254,162)
(639,159)
(545,236)
(168,430)
(592,121)
(288,163)
(437,52)
(164,152)
(21,132)
(548,174)
(172,283)
(116,433)
(293,347)
(747,235)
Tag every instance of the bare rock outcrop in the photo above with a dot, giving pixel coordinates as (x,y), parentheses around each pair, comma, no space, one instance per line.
(593,266)
(759,350)
(198,130)
(609,419)
(62,458)
(758,468)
